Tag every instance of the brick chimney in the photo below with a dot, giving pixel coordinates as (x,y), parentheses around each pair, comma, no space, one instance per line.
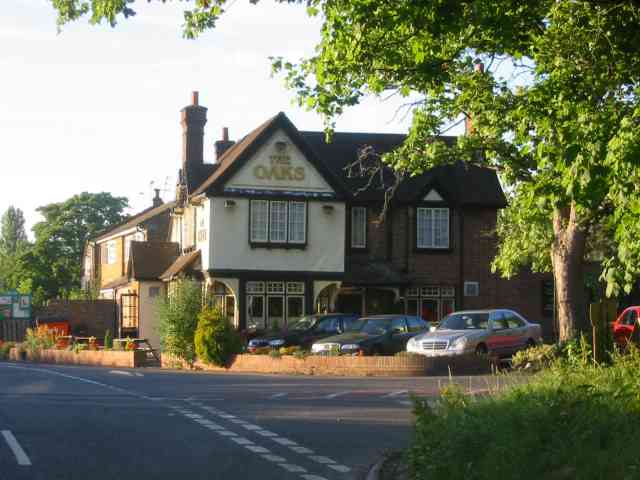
(468,121)
(193,118)
(157,201)
(224,144)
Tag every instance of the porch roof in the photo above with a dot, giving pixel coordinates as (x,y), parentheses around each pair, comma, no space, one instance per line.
(181,264)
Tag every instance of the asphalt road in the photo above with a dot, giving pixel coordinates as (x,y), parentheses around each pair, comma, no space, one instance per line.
(59,422)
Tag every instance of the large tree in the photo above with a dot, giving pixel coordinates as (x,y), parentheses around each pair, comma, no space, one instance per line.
(551,86)
(52,264)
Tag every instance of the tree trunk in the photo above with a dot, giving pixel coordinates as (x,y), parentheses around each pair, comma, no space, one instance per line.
(567,255)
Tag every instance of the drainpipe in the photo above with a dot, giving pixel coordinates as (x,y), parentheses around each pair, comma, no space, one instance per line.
(461,273)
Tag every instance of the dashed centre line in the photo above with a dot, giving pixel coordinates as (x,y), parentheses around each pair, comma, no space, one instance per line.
(396,394)
(337,394)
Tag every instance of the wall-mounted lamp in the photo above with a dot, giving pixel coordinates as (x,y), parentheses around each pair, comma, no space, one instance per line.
(229,203)
(328,209)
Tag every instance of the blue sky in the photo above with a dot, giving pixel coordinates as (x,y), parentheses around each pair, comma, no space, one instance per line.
(97,109)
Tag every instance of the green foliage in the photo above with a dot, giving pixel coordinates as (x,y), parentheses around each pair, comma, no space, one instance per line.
(108,340)
(51,265)
(301,354)
(178,315)
(216,340)
(13,236)
(5,347)
(275,354)
(37,339)
(569,421)
(536,358)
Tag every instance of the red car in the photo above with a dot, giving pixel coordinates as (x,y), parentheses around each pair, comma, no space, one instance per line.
(625,325)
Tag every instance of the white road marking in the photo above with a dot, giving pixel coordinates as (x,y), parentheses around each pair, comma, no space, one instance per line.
(321,459)
(312,477)
(395,394)
(266,433)
(227,416)
(274,458)
(21,456)
(405,402)
(249,426)
(284,441)
(138,374)
(226,433)
(336,395)
(278,395)
(257,449)
(214,427)
(242,441)
(340,468)
(120,372)
(292,468)
(302,450)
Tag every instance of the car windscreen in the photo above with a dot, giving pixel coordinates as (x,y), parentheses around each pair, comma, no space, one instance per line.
(305,323)
(373,326)
(465,321)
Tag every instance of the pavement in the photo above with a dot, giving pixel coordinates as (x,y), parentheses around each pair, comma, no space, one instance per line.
(67,422)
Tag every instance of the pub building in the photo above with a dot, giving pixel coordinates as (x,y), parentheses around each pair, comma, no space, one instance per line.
(283,224)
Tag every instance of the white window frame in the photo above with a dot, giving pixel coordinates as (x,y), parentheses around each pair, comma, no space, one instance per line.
(111,252)
(360,228)
(255,288)
(289,297)
(295,288)
(431,216)
(291,222)
(264,229)
(283,220)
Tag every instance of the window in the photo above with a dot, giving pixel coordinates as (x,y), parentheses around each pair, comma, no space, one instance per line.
(471,289)
(432,228)
(255,287)
(513,321)
(328,325)
(297,222)
(630,318)
(499,322)
(430,302)
(274,303)
(259,220)
(111,252)
(398,325)
(358,227)
(275,287)
(295,308)
(295,288)
(278,222)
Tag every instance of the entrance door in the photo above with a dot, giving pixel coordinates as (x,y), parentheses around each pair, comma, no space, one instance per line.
(129,315)
(349,303)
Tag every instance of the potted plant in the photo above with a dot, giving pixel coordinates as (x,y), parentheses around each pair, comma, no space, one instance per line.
(130,345)
(93,344)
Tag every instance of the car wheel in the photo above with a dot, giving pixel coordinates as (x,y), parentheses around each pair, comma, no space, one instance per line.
(531,343)
(481,350)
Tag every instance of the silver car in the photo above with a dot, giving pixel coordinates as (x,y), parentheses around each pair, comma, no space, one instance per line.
(498,332)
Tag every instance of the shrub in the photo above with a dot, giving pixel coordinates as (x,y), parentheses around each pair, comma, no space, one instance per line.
(39,338)
(536,358)
(289,350)
(216,340)
(262,351)
(5,347)
(178,314)
(108,340)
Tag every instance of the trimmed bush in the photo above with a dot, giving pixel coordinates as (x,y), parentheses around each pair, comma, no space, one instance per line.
(216,341)
(4,349)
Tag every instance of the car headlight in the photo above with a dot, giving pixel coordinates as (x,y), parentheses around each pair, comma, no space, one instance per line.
(276,343)
(458,344)
(350,346)
(317,347)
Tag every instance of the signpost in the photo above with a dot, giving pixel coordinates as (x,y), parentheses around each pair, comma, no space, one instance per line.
(15,314)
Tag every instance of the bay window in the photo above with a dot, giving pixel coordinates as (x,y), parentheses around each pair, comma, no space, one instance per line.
(358,227)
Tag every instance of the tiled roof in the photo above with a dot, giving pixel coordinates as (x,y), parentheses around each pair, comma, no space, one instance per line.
(180,264)
(458,183)
(150,259)
(136,219)
(116,282)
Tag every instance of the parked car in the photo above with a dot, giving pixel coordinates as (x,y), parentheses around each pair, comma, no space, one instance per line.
(306,331)
(626,325)
(498,332)
(376,335)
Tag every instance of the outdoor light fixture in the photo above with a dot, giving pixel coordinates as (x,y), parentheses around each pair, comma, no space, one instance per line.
(229,203)
(327,208)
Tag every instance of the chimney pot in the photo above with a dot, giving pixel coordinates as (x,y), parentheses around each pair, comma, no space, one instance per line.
(157,201)
(194,98)
(225,134)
